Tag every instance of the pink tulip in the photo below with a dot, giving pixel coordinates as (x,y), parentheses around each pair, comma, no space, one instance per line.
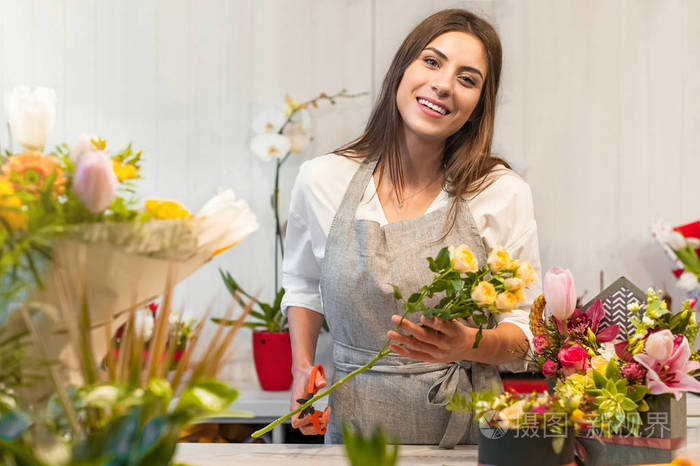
(94,181)
(560,293)
(671,375)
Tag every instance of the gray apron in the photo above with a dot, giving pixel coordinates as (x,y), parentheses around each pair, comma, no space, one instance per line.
(361,261)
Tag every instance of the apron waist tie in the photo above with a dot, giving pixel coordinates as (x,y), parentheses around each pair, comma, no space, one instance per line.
(348,358)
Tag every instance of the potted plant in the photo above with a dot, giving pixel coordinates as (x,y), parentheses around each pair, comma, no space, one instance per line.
(272,349)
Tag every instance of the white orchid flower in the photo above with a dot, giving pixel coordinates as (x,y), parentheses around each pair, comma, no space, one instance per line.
(143,323)
(31,115)
(223,222)
(268,146)
(269,121)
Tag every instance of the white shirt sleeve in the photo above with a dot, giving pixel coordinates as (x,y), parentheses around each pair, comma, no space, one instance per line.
(505,217)
(301,270)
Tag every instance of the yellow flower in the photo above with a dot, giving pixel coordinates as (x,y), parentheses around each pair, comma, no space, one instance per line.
(513,284)
(484,293)
(520,295)
(599,363)
(29,171)
(512,414)
(164,209)
(578,415)
(526,274)
(499,259)
(124,171)
(290,106)
(11,207)
(463,259)
(506,301)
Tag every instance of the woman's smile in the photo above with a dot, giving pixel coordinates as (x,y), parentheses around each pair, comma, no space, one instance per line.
(432,108)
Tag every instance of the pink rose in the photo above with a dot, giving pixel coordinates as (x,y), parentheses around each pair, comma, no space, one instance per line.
(540,342)
(560,293)
(573,357)
(549,368)
(659,345)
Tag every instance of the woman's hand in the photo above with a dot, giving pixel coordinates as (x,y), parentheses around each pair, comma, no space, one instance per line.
(438,340)
(300,386)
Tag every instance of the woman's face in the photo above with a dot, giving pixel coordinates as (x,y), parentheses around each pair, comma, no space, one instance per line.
(441,88)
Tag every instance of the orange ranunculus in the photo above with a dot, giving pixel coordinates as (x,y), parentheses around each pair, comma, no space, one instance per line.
(165,209)
(29,171)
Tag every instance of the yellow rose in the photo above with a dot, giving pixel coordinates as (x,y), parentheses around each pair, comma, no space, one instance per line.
(520,295)
(513,284)
(164,209)
(511,415)
(463,259)
(11,207)
(526,274)
(499,259)
(124,171)
(484,294)
(599,363)
(506,301)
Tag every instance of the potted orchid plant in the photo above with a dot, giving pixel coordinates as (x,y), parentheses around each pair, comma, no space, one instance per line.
(628,382)
(278,135)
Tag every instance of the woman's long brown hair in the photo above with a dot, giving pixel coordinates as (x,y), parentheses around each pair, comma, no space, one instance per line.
(467,155)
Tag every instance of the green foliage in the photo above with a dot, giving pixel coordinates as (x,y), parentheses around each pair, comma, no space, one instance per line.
(268,319)
(618,403)
(371,450)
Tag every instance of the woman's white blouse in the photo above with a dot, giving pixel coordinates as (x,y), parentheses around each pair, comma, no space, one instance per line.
(503,213)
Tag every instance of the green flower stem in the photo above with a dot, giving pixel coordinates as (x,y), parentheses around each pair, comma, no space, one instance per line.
(383,352)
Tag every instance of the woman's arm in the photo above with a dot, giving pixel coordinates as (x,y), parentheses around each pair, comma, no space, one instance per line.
(439,340)
(304,327)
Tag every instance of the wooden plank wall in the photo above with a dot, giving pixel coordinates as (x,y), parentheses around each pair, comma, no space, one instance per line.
(599,108)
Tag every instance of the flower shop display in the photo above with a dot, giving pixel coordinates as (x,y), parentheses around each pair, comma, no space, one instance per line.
(682,247)
(71,216)
(632,383)
(518,429)
(278,135)
(466,291)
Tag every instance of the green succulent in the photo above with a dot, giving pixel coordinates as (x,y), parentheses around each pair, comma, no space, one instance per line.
(617,402)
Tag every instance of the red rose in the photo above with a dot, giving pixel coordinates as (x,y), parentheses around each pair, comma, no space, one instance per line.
(573,357)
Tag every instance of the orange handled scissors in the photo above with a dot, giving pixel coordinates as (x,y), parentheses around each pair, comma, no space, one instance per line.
(311,411)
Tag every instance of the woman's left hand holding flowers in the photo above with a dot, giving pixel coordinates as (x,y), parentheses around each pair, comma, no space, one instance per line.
(435,340)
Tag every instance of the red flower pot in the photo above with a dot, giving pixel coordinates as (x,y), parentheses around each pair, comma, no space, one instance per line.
(272,353)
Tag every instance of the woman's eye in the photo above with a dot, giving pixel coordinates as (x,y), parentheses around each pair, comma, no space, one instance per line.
(468,80)
(430,61)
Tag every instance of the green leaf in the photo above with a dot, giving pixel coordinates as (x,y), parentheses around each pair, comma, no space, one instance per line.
(598,379)
(443,259)
(628,405)
(611,387)
(397,292)
(207,397)
(642,406)
(611,371)
(13,424)
(637,392)
(414,298)
(278,299)
(433,265)
(457,285)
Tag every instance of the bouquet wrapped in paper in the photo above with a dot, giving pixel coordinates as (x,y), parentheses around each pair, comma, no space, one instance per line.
(73,236)
(681,245)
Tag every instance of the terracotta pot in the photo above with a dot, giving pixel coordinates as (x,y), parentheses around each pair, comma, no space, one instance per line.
(272,353)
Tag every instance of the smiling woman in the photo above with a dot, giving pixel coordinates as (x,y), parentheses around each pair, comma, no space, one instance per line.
(420,177)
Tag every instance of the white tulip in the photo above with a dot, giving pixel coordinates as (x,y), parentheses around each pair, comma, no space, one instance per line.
(31,115)
(688,281)
(223,222)
(269,121)
(675,240)
(268,146)
(694,243)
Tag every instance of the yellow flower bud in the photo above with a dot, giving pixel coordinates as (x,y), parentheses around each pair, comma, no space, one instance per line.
(499,259)
(599,363)
(463,259)
(484,294)
(164,209)
(526,274)
(506,301)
